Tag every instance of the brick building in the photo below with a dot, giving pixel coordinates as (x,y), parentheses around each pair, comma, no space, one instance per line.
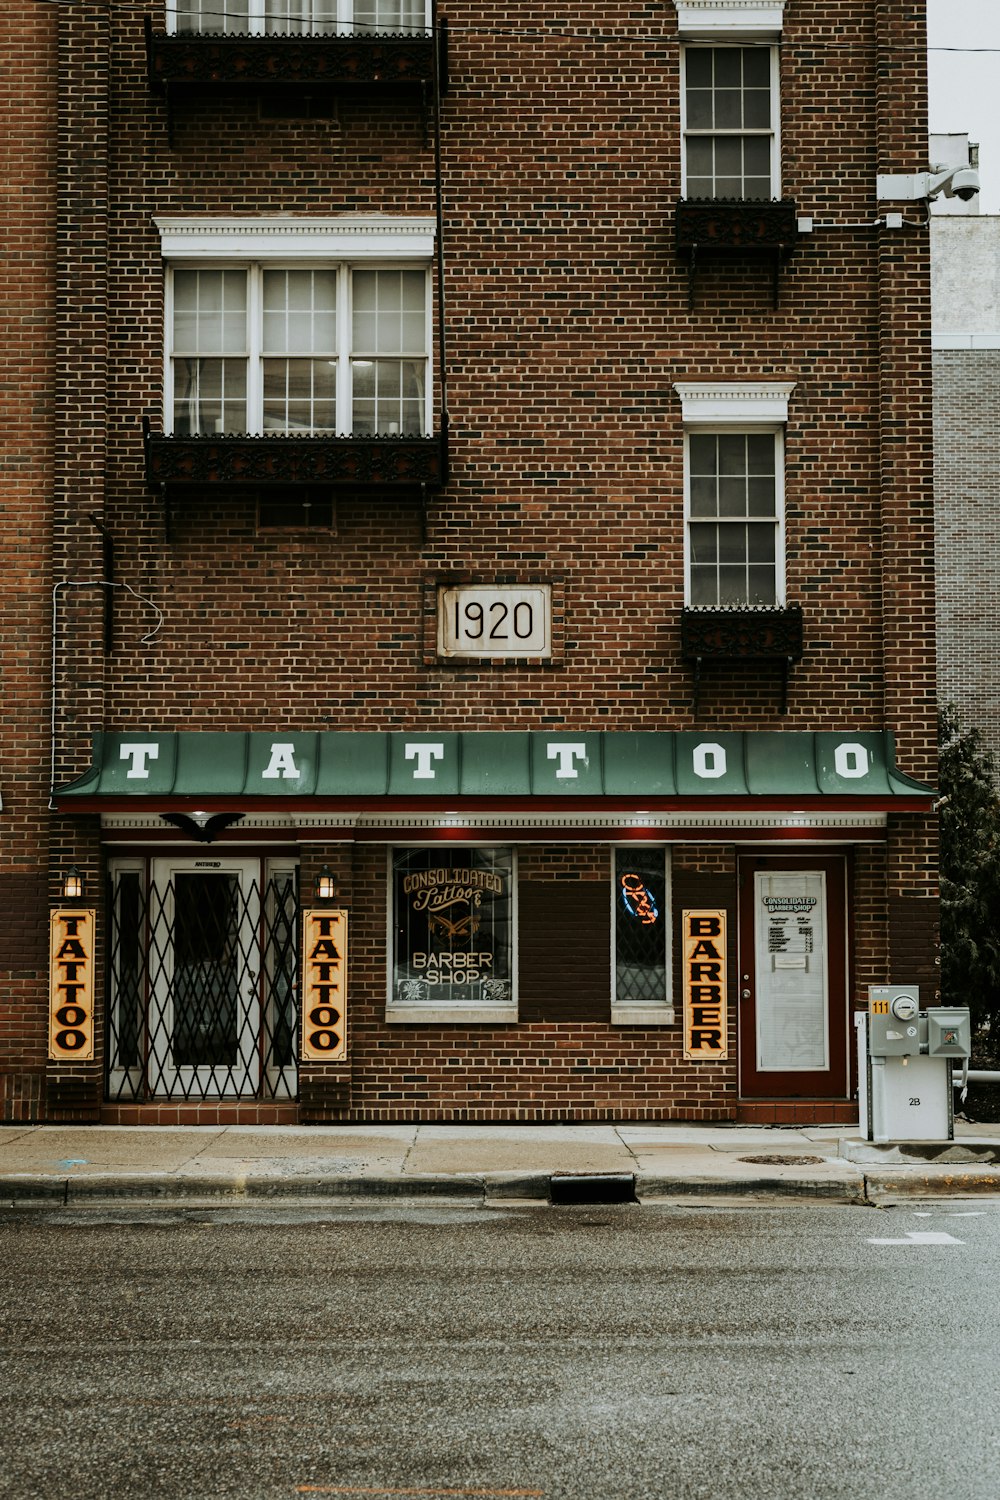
(489,540)
(965,255)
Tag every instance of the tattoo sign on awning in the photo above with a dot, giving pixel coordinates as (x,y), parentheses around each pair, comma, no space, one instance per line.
(703,982)
(71,985)
(324,986)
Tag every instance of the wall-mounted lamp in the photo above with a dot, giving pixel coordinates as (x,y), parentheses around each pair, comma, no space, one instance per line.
(72,884)
(325,888)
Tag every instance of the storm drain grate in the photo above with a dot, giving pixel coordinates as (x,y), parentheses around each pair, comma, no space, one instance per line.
(783,1161)
(600,1187)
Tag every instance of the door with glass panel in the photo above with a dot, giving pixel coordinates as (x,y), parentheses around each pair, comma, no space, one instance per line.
(205,972)
(793,978)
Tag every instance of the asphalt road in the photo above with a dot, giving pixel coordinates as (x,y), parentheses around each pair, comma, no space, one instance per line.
(765,1353)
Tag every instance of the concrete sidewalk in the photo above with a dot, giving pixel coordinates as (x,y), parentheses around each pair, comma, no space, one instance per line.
(91,1164)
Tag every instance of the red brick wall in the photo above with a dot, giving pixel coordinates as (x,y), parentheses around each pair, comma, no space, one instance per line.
(571,1064)
(568,324)
(27,307)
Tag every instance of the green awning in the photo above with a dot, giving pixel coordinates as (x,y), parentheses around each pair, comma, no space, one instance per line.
(252,769)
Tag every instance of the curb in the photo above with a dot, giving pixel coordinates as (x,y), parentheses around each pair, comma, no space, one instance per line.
(160,1189)
(841,1190)
(535,1187)
(908,1183)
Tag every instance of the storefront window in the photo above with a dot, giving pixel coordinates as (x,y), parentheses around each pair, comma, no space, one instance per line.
(642,922)
(453,917)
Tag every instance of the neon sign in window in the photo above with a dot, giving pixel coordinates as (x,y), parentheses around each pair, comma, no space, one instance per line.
(641,921)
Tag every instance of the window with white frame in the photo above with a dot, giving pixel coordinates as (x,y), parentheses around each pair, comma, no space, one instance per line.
(299,17)
(265,335)
(734,494)
(641,935)
(729,97)
(734,518)
(730,122)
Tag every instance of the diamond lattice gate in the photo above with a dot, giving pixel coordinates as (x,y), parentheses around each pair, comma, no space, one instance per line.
(202,981)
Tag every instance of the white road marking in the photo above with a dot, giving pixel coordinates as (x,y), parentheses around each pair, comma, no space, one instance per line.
(922,1237)
(972,1213)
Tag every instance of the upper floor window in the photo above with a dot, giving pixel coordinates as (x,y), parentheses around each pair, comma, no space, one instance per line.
(734,518)
(734,493)
(730,122)
(299,17)
(293,349)
(298,326)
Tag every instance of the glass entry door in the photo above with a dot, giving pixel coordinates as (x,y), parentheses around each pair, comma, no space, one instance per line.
(794,1039)
(206,978)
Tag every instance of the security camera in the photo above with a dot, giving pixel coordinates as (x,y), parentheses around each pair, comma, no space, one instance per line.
(953,181)
(964,184)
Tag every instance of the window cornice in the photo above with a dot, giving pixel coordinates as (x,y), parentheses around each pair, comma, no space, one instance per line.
(734,403)
(345,237)
(738,20)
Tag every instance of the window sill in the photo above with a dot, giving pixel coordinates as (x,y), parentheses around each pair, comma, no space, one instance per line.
(642,1015)
(450,1015)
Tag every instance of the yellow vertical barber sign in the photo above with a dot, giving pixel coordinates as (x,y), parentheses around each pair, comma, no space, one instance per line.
(71,985)
(324,986)
(704,985)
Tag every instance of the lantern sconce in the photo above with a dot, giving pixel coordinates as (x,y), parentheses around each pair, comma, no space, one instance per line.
(325,888)
(72,884)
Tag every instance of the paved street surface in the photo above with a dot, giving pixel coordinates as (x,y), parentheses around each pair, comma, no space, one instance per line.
(706,1352)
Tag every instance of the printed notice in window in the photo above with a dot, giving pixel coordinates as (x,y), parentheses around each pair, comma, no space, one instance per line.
(790,944)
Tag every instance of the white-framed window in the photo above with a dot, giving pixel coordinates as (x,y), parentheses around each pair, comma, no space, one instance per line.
(730,122)
(734,510)
(278,327)
(730,117)
(640,936)
(299,17)
(452,914)
(734,518)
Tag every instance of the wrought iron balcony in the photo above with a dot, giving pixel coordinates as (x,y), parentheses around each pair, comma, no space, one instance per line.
(742,635)
(263,60)
(735,226)
(394,465)
(278,65)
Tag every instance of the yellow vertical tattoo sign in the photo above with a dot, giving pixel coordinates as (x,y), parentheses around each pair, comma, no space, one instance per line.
(71,985)
(704,985)
(324,986)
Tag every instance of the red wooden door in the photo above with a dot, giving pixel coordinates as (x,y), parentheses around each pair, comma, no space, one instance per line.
(793,978)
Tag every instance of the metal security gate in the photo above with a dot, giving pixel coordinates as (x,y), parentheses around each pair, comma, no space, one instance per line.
(202,979)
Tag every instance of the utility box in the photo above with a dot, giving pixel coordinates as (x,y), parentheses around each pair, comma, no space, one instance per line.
(905,1062)
(949,1032)
(893,1029)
